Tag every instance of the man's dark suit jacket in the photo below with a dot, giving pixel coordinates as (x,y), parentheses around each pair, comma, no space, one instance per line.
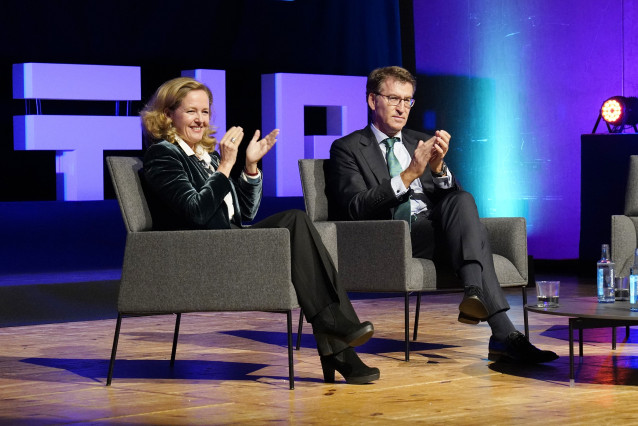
(358,181)
(182,195)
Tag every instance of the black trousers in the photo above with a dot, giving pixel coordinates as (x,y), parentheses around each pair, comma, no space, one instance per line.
(314,276)
(452,234)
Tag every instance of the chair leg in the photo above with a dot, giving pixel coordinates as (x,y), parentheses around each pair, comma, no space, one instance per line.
(291,368)
(627,333)
(613,338)
(416,315)
(525,319)
(116,337)
(175,335)
(407,326)
(299,329)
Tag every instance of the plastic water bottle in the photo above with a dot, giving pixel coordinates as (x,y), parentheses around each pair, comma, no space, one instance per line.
(605,277)
(633,284)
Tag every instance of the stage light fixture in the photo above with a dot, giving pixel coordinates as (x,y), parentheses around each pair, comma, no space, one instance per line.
(619,112)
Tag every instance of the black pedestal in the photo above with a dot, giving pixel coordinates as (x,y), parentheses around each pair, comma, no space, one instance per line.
(603,180)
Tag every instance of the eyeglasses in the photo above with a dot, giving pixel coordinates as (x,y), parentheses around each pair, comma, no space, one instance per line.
(395,100)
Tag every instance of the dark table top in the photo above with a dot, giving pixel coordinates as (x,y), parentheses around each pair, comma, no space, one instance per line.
(588,307)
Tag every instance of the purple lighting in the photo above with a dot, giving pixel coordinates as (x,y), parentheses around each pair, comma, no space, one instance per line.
(76,82)
(79,141)
(283,99)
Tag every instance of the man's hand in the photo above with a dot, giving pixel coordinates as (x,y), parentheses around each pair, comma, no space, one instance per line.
(440,146)
(422,155)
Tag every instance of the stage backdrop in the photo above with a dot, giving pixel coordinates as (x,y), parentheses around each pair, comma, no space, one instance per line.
(517,83)
(246,38)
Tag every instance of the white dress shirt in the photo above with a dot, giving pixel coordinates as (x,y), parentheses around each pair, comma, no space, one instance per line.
(400,151)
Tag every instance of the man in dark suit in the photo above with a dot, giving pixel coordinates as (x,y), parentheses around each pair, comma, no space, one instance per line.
(385,171)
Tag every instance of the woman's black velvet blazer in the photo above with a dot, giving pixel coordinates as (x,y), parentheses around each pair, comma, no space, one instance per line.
(182,195)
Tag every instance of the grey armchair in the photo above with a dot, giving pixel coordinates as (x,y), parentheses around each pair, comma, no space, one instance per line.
(161,274)
(376,256)
(624,228)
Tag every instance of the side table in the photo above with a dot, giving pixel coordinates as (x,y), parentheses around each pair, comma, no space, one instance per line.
(588,313)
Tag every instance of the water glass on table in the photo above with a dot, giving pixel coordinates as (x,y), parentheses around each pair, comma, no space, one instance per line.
(621,288)
(547,293)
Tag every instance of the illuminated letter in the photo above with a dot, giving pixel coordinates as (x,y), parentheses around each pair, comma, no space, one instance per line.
(79,141)
(283,98)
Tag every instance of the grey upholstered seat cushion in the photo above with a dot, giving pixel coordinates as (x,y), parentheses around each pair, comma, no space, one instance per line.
(376,256)
(624,230)
(197,271)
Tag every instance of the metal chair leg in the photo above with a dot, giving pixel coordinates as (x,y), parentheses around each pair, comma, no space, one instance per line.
(116,337)
(571,350)
(525,320)
(300,329)
(175,335)
(416,315)
(291,368)
(407,326)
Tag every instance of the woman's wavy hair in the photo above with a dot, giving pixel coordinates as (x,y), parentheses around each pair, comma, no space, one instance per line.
(169,96)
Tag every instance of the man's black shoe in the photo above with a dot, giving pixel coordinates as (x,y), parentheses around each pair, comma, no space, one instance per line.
(467,320)
(517,348)
(472,306)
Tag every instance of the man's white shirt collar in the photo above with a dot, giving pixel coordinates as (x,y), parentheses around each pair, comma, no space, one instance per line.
(380,136)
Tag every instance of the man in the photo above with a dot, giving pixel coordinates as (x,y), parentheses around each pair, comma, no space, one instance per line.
(385,171)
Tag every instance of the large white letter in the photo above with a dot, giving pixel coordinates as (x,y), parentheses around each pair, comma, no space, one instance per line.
(78,140)
(283,98)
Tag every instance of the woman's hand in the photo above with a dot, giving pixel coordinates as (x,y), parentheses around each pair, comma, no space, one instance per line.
(258,148)
(228,149)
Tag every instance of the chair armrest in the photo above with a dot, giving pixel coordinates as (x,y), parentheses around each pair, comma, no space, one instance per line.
(508,238)
(372,252)
(217,270)
(623,242)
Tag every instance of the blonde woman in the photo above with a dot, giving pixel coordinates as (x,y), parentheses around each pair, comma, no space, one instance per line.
(189,186)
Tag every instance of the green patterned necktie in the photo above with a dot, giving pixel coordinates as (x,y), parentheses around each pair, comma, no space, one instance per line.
(402,211)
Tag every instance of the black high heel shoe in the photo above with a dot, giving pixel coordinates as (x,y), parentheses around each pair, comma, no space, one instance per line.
(332,324)
(350,366)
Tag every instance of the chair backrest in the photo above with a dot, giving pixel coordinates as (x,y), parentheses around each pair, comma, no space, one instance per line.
(128,189)
(631,196)
(313,184)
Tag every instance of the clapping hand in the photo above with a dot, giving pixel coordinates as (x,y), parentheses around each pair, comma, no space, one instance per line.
(257,148)
(228,149)
(439,149)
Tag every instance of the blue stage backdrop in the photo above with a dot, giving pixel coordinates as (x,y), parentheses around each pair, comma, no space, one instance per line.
(516,83)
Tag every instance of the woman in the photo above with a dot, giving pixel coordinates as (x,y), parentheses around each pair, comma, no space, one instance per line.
(190,187)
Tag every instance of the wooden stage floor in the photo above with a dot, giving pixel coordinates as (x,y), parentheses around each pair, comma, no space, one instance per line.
(232,368)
